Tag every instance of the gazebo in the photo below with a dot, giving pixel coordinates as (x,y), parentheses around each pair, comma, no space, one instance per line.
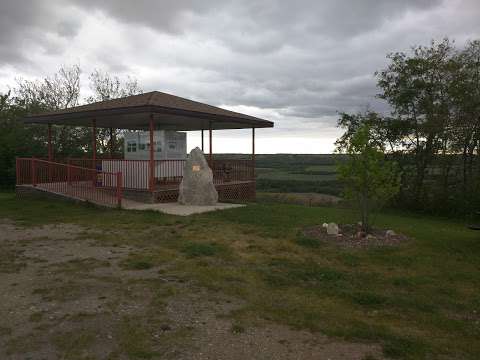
(106,180)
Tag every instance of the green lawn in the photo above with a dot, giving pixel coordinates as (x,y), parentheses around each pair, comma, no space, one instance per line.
(419,300)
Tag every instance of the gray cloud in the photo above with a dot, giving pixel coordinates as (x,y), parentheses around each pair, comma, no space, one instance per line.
(298,62)
(27,25)
(161,15)
(68,28)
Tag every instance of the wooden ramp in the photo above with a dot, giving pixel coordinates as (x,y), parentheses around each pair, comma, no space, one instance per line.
(69,181)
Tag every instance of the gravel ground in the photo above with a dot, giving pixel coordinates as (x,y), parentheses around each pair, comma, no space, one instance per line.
(63,296)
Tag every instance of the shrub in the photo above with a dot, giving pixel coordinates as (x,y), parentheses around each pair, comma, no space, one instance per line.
(370,179)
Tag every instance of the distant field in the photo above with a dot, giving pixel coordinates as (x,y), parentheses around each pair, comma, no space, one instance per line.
(283,174)
(293,173)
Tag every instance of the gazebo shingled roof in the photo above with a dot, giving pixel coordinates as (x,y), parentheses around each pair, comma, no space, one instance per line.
(133,112)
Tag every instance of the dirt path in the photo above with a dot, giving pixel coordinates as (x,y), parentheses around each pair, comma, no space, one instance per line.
(64,296)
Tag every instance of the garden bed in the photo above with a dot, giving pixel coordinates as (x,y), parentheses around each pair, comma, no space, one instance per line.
(350,235)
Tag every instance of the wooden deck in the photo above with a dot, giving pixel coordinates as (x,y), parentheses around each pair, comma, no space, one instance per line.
(238,191)
(233,179)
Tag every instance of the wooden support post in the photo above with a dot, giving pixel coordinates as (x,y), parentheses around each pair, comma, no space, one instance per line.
(254,187)
(69,173)
(112,142)
(253,148)
(119,189)
(50,154)
(210,155)
(202,141)
(34,172)
(17,171)
(50,149)
(152,161)
(94,152)
(94,143)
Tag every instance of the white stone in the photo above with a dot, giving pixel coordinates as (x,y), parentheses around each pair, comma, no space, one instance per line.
(325,225)
(332,229)
(197,186)
(390,233)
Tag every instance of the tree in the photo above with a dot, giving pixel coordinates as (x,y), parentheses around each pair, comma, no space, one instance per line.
(60,91)
(107,87)
(16,139)
(435,92)
(465,139)
(417,87)
(57,92)
(369,178)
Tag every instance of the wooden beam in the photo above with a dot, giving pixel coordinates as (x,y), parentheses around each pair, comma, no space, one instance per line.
(202,141)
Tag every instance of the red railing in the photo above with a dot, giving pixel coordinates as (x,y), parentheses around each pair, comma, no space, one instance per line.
(78,182)
(169,171)
(136,173)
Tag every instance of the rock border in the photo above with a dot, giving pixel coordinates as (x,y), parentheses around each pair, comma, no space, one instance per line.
(350,235)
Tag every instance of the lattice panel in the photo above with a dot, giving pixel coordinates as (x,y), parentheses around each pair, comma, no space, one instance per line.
(226,192)
(240,191)
(164,196)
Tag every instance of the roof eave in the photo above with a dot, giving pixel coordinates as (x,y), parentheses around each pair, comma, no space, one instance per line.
(54,118)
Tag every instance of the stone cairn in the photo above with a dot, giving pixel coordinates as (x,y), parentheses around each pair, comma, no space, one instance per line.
(197,186)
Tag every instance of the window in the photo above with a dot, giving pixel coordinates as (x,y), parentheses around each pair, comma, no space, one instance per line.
(172,145)
(131,146)
(142,146)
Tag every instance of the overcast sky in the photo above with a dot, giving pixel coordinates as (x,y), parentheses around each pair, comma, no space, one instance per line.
(296,63)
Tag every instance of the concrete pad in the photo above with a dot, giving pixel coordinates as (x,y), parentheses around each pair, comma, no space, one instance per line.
(176,208)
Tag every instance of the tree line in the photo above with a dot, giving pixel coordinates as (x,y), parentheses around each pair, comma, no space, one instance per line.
(433,130)
(59,91)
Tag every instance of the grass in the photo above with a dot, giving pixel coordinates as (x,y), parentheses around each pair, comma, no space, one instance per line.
(237,329)
(5,330)
(418,300)
(307,242)
(76,266)
(72,344)
(138,262)
(10,260)
(199,249)
(36,316)
(134,340)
